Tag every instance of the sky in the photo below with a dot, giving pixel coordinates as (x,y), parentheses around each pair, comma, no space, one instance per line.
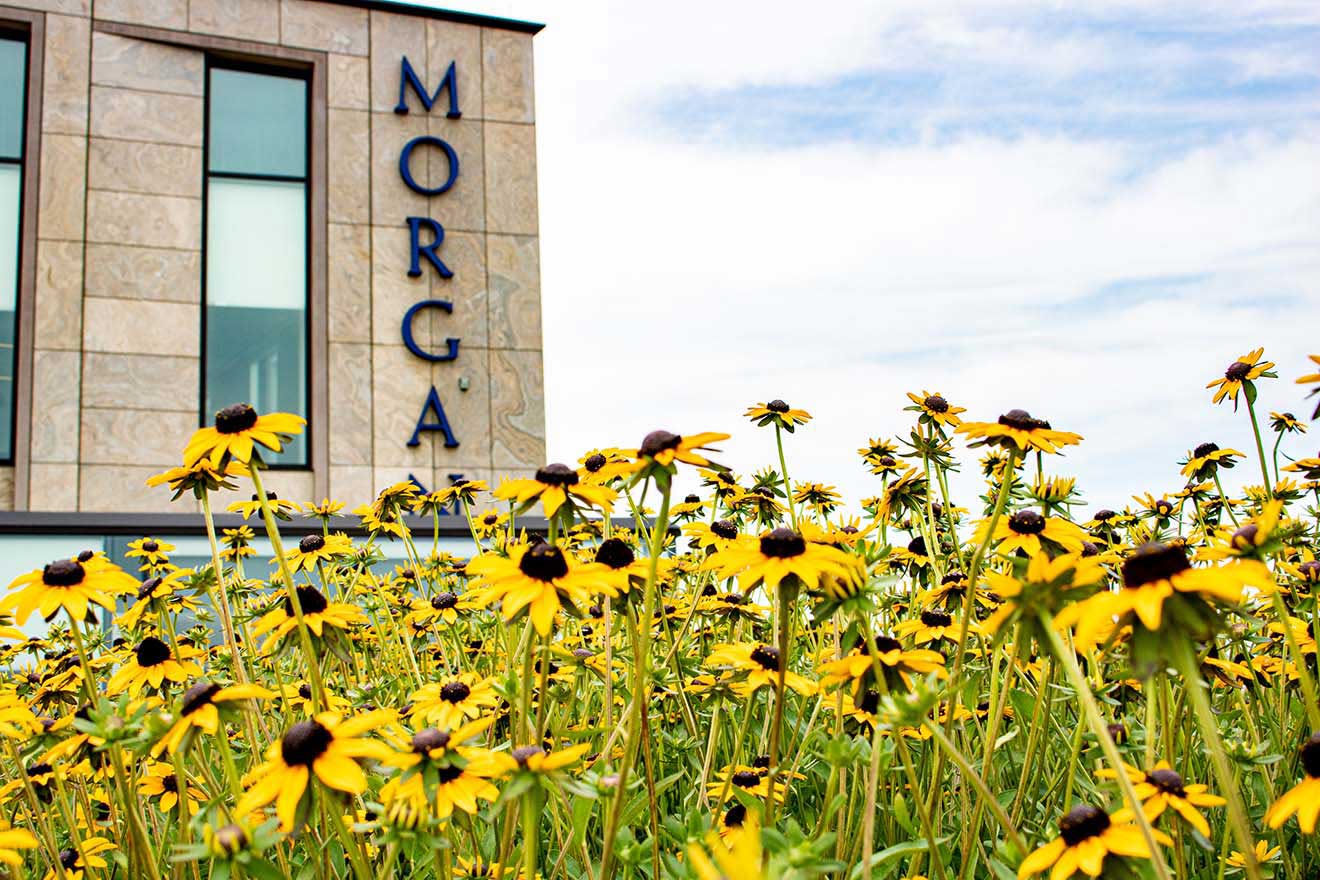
(1086,210)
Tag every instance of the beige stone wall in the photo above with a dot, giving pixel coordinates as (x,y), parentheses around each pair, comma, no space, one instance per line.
(117,332)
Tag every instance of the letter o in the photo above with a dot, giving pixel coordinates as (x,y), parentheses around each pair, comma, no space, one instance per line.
(405,165)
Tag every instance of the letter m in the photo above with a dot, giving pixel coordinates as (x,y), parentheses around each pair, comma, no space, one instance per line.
(409,78)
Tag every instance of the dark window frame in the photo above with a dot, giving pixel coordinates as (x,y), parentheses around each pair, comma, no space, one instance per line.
(21,35)
(305,74)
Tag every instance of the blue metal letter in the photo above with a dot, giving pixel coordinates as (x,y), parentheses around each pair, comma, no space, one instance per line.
(409,78)
(441,422)
(405,161)
(451,343)
(418,250)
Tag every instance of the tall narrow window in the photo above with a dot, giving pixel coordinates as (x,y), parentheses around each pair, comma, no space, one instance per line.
(255,314)
(13,88)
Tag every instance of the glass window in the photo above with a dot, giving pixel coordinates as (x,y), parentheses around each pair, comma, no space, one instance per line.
(256,246)
(13,96)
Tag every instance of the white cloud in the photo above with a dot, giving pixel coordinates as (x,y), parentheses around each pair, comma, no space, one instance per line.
(684,280)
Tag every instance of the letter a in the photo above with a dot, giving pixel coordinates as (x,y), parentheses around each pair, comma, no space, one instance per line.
(441,422)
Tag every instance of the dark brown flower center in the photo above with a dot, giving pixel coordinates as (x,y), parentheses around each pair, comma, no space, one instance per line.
(1105,515)
(657,442)
(1205,449)
(1021,420)
(230,839)
(936,618)
(310,600)
(917,546)
(1237,371)
(594,462)
(782,543)
(543,562)
(428,739)
(1167,781)
(523,753)
(615,553)
(936,403)
(1153,562)
(723,528)
(304,743)
(1027,522)
(63,573)
(199,695)
(151,651)
(735,817)
(777,406)
(150,546)
(692,499)
(236,418)
(745,779)
(1083,822)
(491,519)
(68,859)
(886,461)
(147,587)
(1310,570)
(884,644)
(443,601)
(557,475)
(1245,537)
(448,773)
(953,577)
(311,543)
(170,783)
(455,692)
(766,657)
(1311,756)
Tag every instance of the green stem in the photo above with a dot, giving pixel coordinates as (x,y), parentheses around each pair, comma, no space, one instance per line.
(1264,469)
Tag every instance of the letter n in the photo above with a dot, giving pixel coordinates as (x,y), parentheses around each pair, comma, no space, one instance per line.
(433,406)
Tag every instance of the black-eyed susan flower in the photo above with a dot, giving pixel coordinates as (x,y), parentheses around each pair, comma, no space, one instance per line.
(315,549)
(740,859)
(1309,468)
(489,522)
(75,861)
(933,625)
(715,535)
(1303,799)
(818,496)
(202,708)
(777,413)
(153,596)
(199,477)
(1087,836)
(451,703)
(1162,788)
(160,784)
(664,448)
(535,579)
(282,508)
(1028,531)
(1263,851)
(556,485)
(479,869)
(1241,374)
(325,510)
(778,554)
(152,552)
(71,584)
(153,663)
(238,430)
(539,762)
(857,667)
(1018,430)
(935,409)
(322,617)
(1286,423)
(327,747)
(441,770)
(238,543)
(1202,462)
(1154,575)
(756,666)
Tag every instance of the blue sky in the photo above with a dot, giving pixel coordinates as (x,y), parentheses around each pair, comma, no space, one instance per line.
(1083,209)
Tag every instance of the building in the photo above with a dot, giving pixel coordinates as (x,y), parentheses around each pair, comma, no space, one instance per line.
(326,207)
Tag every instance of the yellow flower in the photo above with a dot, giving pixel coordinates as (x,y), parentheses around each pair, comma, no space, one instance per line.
(449,704)
(1264,853)
(776,555)
(200,476)
(1312,379)
(200,708)
(756,666)
(161,783)
(1242,371)
(153,663)
(324,746)
(1087,836)
(1027,530)
(12,840)
(664,448)
(237,431)
(935,409)
(1163,787)
(71,584)
(537,579)
(320,616)
(556,485)
(1018,430)
(317,548)
(741,860)
(776,412)
(1304,797)
(75,868)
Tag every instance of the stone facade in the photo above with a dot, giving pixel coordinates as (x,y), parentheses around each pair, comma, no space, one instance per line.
(116,336)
